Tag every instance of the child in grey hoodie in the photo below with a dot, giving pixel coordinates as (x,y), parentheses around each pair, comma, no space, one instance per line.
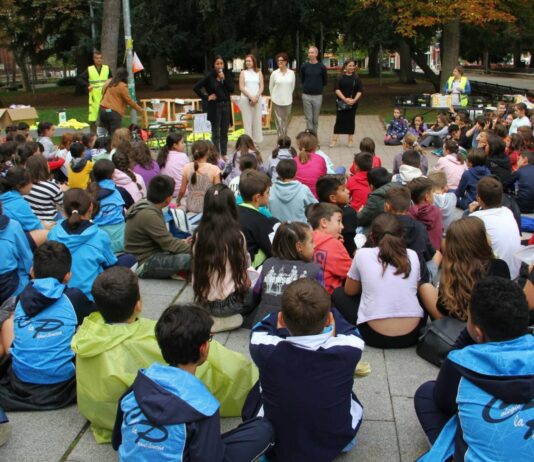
(443,199)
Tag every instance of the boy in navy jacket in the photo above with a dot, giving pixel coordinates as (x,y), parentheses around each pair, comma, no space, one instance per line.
(40,374)
(522,182)
(467,188)
(169,412)
(307,355)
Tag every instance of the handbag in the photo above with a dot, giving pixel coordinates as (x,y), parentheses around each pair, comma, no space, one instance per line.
(438,338)
(341,105)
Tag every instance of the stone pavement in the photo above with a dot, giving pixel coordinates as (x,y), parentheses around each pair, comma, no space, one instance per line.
(390,431)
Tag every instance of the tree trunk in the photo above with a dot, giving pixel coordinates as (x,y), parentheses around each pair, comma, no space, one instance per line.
(517,55)
(21,63)
(450,46)
(159,73)
(532,58)
(373,61)
(420,59)
(405,72)
(111,21)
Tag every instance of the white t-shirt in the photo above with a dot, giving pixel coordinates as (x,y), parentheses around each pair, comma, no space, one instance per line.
(519,122)
(389,295)
(252,82)
(504,235)
(281,87)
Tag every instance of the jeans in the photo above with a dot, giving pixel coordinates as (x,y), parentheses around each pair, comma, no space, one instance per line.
(248,441)
(164,265)
(110,120)
(281,117)
(311,104)
(220,118)
(431,140)
(431,418)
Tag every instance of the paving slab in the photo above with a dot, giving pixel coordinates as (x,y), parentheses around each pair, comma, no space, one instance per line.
(88,450)
(41,436)
(168,287)
(376,441)
(154,305)
(412,441)
(406,371)
(238,340)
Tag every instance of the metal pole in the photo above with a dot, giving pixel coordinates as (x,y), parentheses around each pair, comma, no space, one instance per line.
(93,27)
(129,53)
(380,66)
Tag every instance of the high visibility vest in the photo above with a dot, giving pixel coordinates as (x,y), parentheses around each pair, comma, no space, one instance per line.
(463,83)
(97,81)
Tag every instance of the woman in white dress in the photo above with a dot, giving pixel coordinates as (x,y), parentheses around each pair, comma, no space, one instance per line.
(250,103)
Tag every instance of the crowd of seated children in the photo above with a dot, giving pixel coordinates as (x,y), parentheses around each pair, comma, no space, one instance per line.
(174,400)
(442,198)
(283,150)
(244,145)
(357,184)
(409,168)
(310,165)
(409,143)
(115,342)
(172,159)
(292,259)
(467,188)
(396,130)
(197,177)
(288,198)
(293,348)
(484,387)
(329,252)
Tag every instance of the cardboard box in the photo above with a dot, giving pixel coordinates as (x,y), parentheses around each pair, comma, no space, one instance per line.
(441,101)
(14,116)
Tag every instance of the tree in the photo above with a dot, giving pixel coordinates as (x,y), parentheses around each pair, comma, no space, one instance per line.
(409,17)
(111,21)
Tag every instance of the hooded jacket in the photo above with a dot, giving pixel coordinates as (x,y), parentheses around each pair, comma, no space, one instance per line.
(16,258)
(431,217)
(406,174)
(146,233)
(453,169)
(136,189)
(332,256)
(495,418)
(18,209)
(79,173)
(288,201)
(501,167)
(359,190)
(524,179)
(91,252)
(273,162)
(45,321)
(108,357)
(467,189)
(446,202)
(374,205)
(111,210)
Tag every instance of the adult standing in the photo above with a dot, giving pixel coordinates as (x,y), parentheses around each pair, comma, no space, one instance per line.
(215,89)
(281,86)
(314,78)
(458,86)
(115,98)
(94,78)
(349,90)
(250,103)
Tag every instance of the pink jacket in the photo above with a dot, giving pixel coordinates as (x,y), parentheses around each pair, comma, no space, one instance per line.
(311,171)
(174,168)
(452,168)
(124,181)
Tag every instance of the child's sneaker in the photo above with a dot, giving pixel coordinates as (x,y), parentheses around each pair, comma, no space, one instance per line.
(363,369)
(227,323)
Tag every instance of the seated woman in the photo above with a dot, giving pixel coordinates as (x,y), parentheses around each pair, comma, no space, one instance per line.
(380,293)
(467,258)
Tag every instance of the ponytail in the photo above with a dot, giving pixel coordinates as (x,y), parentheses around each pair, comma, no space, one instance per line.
(76,203)
(307,143)
(387,234)
(194,176)
(170,141)
(122,163)
(200,150)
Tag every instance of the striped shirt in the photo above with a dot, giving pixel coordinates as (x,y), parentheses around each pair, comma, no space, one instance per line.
(45,197)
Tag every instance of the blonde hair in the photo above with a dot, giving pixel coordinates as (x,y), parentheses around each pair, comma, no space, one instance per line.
(120,135)
(439,179)
(410,141)
(307,144)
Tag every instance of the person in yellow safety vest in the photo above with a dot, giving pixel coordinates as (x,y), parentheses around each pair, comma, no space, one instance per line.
(94,79)
(458,86)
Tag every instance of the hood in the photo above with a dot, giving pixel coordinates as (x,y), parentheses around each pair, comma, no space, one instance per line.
(426,214)
(286,192)
(39,294)
(107,188)
(445,200)
(408,173)
(320,238)
(479,171)
(169,396)
(284,154)
(120,178)
(141,205)
(77,165)
(502,369)
(499,161)
(453,159)
(4,221)
(95,336)
(75,238)
(10,196)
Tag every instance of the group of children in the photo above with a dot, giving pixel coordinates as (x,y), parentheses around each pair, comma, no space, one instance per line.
(316,261)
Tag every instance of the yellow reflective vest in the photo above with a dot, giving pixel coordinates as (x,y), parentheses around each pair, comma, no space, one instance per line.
(463,83)
(97,81)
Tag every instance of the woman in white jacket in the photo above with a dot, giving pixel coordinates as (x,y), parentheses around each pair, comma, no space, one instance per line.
(281,86)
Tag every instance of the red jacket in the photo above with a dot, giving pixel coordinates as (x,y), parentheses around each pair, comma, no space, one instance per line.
(359,190)
(431,217)
(330,254)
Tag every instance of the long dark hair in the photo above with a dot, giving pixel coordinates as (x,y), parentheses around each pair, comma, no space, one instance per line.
(217,57)
(141,155)
(218,241)
(244,145)
(284,142)
(76,203)
(122,162)
(120,76)
(102,170)
(200,149)
(37,167)
(16,178)
(286,238)
(387,234)
(172,139)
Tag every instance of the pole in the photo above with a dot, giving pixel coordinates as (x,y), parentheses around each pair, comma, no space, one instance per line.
(93,27)
(129,53)
(380,65)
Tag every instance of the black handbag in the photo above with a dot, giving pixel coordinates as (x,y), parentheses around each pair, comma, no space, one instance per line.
(438,338)
(341,105)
